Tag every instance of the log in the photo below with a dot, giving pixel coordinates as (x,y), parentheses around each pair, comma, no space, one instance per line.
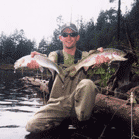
(42,84)
(118,108)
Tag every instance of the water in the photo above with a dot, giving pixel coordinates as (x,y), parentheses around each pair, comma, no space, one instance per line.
(17,105)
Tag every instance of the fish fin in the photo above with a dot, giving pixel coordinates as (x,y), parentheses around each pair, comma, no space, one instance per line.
(86,68)
(62,77)
(41,69)
(62,73)
(92,51)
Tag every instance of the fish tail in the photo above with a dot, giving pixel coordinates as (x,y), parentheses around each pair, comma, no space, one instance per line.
(41,69)
(62,77)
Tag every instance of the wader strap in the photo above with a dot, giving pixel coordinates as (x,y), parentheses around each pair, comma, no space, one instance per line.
(60,57)
(78,56)
(60,60)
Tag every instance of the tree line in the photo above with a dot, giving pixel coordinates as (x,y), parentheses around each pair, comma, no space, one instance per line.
(102,34)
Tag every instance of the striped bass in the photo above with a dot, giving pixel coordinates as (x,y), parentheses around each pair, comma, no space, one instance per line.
(90,60)
(43,61)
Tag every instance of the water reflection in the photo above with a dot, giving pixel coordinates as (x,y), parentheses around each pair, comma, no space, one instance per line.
(17,105)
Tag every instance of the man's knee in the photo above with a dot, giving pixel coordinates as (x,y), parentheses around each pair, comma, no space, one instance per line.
(88,84)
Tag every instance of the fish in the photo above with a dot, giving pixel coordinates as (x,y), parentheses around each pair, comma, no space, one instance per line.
(112,53)
(43,61)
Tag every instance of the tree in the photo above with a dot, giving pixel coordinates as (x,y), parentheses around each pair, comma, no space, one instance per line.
(42,46)
(56,43)
(111,1)
(105,28)
(23,46)
(82,32)
(2,40)
(9,49)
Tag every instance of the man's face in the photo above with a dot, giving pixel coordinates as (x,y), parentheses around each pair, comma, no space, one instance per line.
(69,42)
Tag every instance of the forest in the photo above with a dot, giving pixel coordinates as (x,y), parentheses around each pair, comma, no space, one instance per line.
(110,30)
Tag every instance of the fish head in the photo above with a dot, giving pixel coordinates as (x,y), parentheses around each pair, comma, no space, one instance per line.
(117,57)
(23,61)
(19,63)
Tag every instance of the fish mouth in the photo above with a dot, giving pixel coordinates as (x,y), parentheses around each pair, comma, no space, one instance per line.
(124,59)
(120,59)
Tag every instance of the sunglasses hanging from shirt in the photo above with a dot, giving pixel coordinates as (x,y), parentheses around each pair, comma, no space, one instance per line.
(71,34)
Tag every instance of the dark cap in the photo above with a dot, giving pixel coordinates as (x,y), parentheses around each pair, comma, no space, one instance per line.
(69,25)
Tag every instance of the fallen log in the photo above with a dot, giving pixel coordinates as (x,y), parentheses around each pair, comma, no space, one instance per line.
(40,85)
(118,108)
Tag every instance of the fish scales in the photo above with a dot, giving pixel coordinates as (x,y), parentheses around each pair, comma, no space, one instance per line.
(112,54)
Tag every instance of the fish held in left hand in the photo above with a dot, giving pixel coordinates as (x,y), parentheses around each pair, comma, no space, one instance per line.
(111,53)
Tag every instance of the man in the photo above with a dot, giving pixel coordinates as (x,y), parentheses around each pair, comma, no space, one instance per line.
(73,98)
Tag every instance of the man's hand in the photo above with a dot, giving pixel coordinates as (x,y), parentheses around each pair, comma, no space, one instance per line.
(44,86)
(101,59)
(33,64)
(100,49)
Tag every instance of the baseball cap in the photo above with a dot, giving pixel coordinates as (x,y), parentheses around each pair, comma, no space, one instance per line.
(69,25)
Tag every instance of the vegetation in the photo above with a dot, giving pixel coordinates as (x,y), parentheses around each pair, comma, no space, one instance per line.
(101,34)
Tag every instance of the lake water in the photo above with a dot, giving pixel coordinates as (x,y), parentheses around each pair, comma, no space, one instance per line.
(17,105)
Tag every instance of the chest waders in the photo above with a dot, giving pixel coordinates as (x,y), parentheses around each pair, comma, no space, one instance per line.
(60,60)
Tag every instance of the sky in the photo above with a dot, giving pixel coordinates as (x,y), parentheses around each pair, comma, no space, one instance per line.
(38,17)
